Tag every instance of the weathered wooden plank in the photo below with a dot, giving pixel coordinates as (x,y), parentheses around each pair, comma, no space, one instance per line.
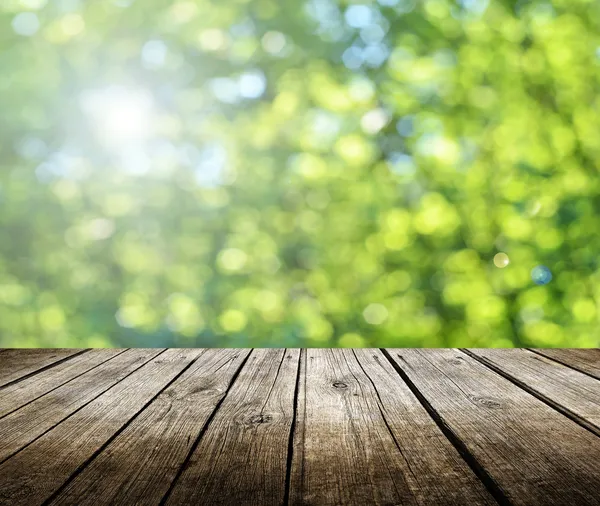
(140,464)
(530,451)
(35,473)
(584,360)
(569,391)
(439,475)
(24,425)
(361,438)
(18,394)
(241,458)
(19,363)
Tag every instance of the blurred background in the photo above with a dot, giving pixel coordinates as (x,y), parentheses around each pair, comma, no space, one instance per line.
(299,173)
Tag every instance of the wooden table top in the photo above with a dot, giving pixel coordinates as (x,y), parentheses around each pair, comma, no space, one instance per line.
(310,426)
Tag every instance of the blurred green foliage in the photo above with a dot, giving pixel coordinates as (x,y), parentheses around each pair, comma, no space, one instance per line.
(299,173)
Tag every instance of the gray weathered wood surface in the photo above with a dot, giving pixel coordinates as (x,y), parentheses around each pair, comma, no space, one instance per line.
(311,426)
(586,360)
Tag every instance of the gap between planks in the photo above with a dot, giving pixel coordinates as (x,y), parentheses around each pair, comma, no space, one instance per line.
(572,358)
(482,407)
(37,366)
(203,430)
(562,406)
(51,379)
(24,439)
(488,481)
(448,432)
(82,467)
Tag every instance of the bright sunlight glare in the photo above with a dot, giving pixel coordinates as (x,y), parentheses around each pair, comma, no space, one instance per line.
(121,116)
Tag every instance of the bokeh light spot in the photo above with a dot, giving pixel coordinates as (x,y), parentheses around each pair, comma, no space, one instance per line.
(252,84)
(501,260)
(352,340)
(154,53)
(72,24)
(358,16)
(374,120)
(273,42)
(233,320)
(232,259)
(26,24)
(375,314)
(33,4)
(541,275)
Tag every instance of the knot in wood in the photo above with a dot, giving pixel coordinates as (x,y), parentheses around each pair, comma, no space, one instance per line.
(261,418)
(488,402)
(339,384)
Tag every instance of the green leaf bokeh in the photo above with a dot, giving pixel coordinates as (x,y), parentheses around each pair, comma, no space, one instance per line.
(299,173)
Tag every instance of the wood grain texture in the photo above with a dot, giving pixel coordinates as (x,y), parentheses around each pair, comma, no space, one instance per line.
(246,443)
(35,473)
(438,475)
(18,363)
(140,464)
(358,443)
(303,427)
(534,454)
(18,394)
(26,424)
(566,389)
(585,360)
